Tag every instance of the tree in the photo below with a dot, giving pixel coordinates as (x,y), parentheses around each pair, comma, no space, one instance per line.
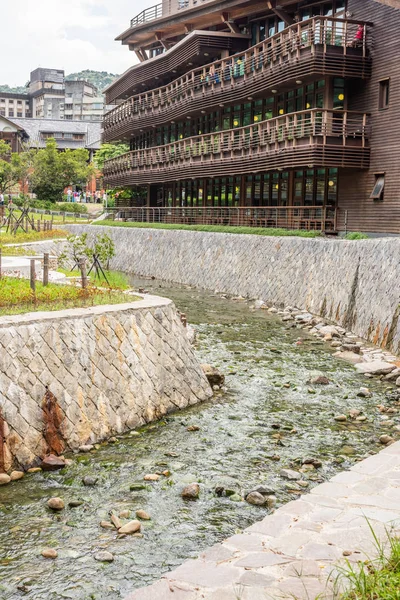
(53,171)
(108,151)
(14,167)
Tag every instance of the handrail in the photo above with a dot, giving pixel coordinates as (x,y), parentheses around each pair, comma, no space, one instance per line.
(283,131)
(164,9)
(326,31)
(317,218)
(148,14)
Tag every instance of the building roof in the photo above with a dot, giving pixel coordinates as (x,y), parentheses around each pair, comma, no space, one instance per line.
(11,123)
(35,127)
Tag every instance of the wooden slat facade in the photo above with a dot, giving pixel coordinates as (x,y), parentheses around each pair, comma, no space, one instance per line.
(300,52)
(355,205)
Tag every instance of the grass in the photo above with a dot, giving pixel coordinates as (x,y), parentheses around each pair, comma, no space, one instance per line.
(16,297)
(355,235)
(377,579)
(116,280)
(31,236)
(270,231)
(57,218)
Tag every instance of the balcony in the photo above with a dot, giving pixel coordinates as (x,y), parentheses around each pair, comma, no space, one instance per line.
(164,9)
(314,138)
(192,48)
(319,47)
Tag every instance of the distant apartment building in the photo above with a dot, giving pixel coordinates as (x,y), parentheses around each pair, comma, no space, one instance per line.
(50,96)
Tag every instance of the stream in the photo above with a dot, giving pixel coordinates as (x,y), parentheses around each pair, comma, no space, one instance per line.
(269,418)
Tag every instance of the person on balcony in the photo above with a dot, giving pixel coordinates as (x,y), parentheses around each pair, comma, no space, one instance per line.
(358,38)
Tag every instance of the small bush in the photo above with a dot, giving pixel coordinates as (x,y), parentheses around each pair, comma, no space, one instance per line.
(71,207)
(356,235)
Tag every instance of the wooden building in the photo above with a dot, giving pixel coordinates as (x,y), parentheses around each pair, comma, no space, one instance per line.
(273,113)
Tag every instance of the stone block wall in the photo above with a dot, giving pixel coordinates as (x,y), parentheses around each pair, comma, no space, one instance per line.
(79,376)
(353,283)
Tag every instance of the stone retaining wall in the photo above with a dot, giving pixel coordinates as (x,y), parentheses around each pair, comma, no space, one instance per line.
(79,376)
(353,283)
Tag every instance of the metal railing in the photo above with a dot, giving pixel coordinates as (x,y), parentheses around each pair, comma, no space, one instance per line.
(168,7)
(308,218)
(148,14)
(258,139)
(244,66)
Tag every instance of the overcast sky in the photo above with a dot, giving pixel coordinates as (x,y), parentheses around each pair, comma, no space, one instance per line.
(64,34)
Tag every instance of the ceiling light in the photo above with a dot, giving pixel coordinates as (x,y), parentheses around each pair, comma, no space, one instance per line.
(274,91)
(299,81)
(206,54)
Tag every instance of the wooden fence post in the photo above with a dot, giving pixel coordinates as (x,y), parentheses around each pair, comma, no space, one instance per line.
(33,275)
(46,261)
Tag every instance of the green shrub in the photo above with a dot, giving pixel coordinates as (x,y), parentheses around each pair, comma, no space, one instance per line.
(71,207)
(356,235)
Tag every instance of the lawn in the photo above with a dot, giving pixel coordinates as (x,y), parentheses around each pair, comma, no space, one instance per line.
(31,236)
(16,297)
(115,280)
(270,231)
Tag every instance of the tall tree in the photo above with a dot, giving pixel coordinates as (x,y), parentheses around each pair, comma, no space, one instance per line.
(108,151)
(13,167)
(53,171)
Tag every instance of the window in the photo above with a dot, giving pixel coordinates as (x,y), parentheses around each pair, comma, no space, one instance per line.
(19,114)
(10,113)
(384,93)
(377,192)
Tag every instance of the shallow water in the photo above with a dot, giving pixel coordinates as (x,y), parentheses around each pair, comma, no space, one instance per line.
(267,368)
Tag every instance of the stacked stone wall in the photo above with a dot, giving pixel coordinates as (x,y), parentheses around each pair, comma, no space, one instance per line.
(353,283)
(79,376)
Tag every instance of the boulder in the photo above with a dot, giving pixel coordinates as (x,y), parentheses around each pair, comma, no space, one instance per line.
(89,481)
(386,440)
(52,463)
(142,514)
(16,475)
(290,474)
(131,527)
(375,367)
(351,357)
(364,393)
(49,553)
(86,448)
(351,348)
(256,499)
(56,504)
(104,556)
(191,492)
(329,330)
(214,376)
(4,479)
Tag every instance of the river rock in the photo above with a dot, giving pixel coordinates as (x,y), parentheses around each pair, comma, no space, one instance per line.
(375,367)
(75,503)
(340,418)
(116,522)
(226,486)
(106,525)
(364,393)
(49,553)
(17,475)
(104,556)
(312,461)
(131,527)
(317,378)
(56,504)
(34,470)
(191,492)
(151,477)
(351,357)
(290,474)
(271,501)
(124,514)
(256,499)
(354,413)
(142,514)
(89,481)
(398,381)
(4,479)
(137,487)
(329,330)
(351,348)
(52,463)
(386,440)
(86,448)
(263,490)
(214,376)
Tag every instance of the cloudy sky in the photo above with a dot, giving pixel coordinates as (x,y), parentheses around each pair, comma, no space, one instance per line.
(65,34)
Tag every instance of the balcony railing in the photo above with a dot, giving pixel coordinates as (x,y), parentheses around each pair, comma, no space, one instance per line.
(265,145)
(164,9)
(263,65)
(317,218)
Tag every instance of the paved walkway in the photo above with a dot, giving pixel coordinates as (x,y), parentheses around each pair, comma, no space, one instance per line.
(293,552)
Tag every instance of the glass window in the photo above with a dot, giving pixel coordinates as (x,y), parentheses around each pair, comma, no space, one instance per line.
(384,89)
(377,192)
